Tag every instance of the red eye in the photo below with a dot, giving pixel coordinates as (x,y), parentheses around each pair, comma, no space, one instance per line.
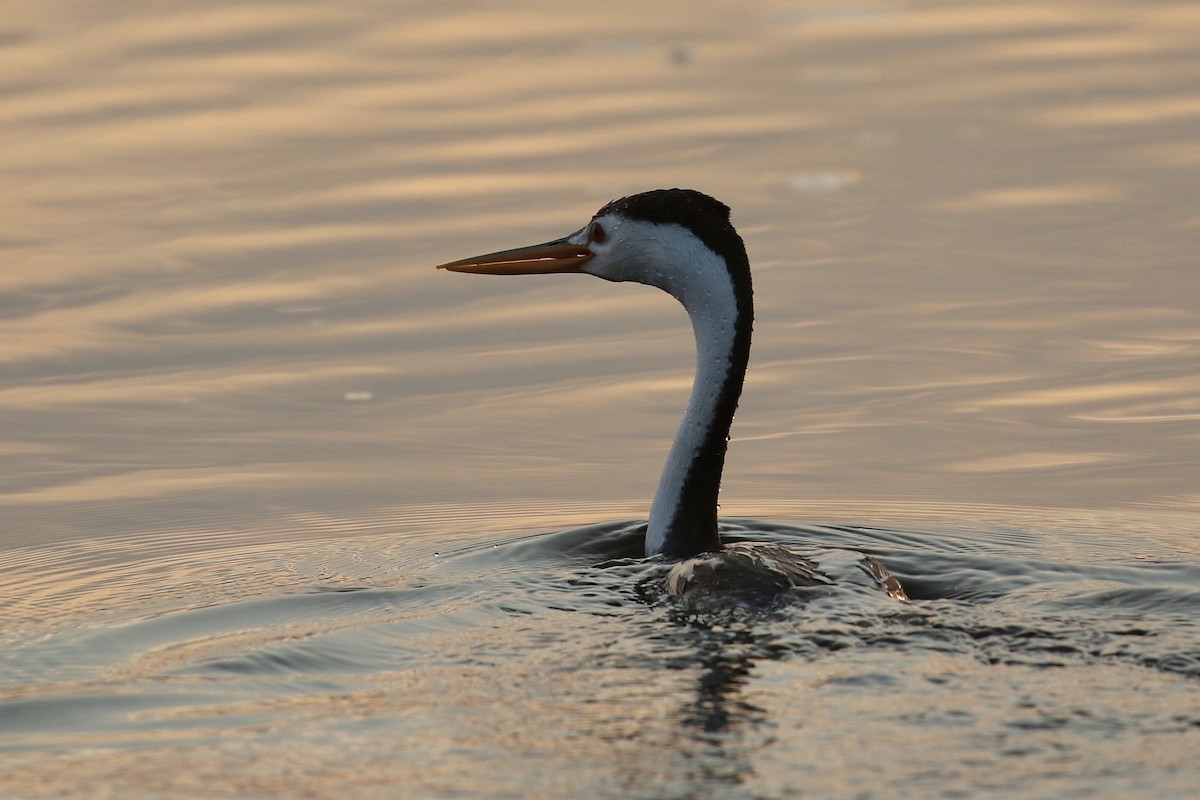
(597,234)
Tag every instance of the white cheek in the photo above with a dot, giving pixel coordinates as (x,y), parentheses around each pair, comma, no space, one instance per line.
(668,257)
(608,265)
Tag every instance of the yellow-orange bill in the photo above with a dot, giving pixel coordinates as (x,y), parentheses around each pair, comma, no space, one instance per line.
(556,256)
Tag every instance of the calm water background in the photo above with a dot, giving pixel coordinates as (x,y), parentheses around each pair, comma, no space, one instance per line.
(285,512)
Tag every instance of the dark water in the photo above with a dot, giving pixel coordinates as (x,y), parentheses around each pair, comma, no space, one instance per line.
(555,664)
(284,512)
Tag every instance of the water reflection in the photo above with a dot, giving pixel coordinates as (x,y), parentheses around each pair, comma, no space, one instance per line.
(721,720)
(559,657)
(242,244)
(231,376)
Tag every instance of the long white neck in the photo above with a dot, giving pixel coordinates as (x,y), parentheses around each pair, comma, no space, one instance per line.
(683,517)
(692,267)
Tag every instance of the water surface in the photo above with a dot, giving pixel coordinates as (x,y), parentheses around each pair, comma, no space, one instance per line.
(285,511)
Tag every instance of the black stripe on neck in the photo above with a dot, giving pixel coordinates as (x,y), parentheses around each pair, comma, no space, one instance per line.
(693,526)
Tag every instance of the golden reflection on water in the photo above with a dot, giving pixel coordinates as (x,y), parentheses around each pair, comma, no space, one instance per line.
(231,371)
(972,247)
(1033,197)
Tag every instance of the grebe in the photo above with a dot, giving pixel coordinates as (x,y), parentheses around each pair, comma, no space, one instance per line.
(682,241)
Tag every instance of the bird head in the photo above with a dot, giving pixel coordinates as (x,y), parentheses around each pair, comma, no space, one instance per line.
(659,238)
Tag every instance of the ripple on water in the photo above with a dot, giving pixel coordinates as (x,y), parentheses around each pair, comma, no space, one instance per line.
(1004,652)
